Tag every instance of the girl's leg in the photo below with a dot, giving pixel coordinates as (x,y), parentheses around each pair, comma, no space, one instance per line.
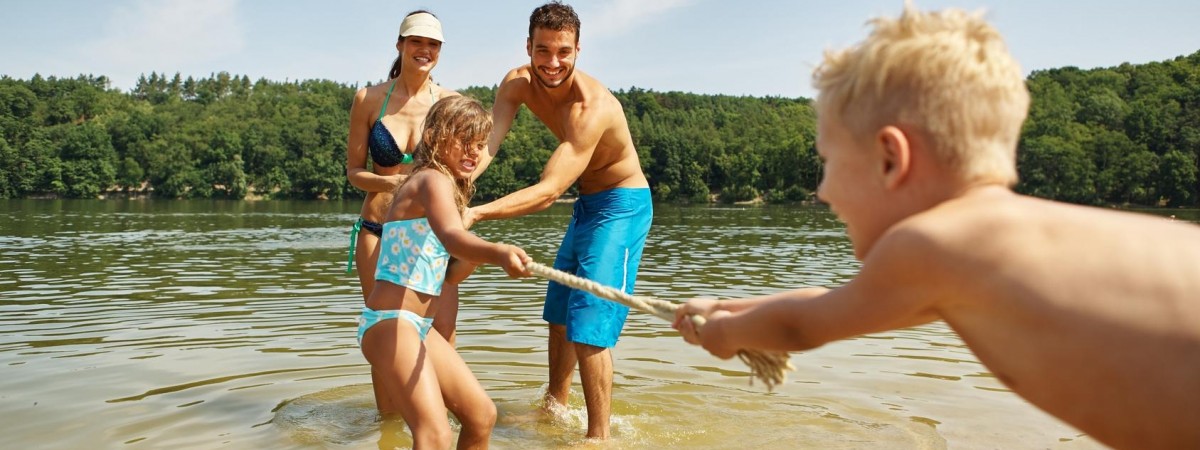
(382,400)
(408,379)
(462,393)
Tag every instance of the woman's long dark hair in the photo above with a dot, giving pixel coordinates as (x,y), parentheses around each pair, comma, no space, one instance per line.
(395,72)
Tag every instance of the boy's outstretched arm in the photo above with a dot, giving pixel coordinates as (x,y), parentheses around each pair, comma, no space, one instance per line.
(719,313)
(891,291)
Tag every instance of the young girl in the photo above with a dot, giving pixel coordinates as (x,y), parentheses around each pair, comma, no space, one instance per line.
(420,373)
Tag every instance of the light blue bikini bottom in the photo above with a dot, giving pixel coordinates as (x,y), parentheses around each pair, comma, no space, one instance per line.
(371,317)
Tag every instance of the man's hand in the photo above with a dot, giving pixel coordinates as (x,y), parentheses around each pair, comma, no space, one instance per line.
(469,218)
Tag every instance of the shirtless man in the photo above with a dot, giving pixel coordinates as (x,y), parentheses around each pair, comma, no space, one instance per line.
(612,214)
(1090,314)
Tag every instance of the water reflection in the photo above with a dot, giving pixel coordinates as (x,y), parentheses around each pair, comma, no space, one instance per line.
(208,323)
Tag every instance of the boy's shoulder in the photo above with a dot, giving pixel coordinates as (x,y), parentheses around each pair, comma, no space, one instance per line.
(965,227)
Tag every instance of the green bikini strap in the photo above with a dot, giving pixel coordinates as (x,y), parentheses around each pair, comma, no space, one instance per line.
(385,100)
(353,243)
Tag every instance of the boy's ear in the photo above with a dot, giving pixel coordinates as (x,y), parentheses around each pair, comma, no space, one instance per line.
(897,155)
(529,47)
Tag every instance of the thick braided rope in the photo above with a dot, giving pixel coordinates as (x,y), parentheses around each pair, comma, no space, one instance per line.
(770,367)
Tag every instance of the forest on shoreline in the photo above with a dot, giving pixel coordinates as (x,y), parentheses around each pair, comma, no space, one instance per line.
(1125,135)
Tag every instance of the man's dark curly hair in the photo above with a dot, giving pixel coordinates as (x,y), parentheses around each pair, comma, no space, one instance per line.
(554,16)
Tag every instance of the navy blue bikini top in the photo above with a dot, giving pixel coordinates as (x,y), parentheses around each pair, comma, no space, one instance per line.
(385,152)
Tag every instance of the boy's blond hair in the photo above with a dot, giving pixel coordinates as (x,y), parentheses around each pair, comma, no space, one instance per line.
(946,73)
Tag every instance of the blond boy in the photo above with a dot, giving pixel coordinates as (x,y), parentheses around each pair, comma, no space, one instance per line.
(1090,314)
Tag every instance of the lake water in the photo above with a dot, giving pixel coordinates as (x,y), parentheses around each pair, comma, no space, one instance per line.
(206,324)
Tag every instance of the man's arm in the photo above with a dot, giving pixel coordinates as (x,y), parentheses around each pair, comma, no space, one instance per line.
(566,164)
(504,111)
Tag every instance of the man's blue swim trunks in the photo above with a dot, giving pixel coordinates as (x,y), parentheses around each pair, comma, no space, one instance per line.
(603,243)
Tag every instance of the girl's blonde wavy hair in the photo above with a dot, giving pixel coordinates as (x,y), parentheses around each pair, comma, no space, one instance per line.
(458,118)
(947,73)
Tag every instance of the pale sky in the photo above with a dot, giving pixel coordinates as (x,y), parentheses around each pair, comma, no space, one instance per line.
(748,47)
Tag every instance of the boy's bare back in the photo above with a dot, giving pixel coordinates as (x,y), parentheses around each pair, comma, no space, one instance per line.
(1089,314)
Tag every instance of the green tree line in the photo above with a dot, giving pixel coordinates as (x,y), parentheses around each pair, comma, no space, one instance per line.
(1123,135)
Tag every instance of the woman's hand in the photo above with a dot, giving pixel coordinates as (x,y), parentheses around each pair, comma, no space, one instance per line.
(393,182)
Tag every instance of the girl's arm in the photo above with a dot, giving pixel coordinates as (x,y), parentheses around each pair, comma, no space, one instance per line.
(436,193)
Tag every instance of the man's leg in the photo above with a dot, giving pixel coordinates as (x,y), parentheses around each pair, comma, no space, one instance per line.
(609,252)
(562,366)
(554,312)
(596,373)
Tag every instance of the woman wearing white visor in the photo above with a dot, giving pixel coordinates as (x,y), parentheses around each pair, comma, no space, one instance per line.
(385,126)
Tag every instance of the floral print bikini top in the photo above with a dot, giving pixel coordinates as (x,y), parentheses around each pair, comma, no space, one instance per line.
(411,255)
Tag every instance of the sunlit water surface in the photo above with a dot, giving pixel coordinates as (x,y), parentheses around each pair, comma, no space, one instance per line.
(198,324)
